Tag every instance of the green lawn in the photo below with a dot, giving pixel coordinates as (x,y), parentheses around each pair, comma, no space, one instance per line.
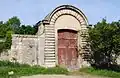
(24,70)
(101,72)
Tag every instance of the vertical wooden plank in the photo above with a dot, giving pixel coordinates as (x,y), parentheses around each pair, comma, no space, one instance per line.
(67,48)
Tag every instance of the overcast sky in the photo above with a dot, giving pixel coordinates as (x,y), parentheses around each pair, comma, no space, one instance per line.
(32,11)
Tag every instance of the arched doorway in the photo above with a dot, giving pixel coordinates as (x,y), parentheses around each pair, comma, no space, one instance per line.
(62,21)
(67,47)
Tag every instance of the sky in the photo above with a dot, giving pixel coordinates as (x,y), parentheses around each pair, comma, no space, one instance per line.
(32,11)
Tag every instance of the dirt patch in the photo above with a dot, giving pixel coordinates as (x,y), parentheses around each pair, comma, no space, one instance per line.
(63,76)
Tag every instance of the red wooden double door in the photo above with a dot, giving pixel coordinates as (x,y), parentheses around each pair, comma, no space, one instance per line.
(67,47)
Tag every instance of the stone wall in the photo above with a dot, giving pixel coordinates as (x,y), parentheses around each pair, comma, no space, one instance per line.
(5,55)
(24,49)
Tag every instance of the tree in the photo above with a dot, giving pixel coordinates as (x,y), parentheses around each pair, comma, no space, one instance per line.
(105,42)
(14,23)
(28,30)
(5,40)
(6,29)
(8,41)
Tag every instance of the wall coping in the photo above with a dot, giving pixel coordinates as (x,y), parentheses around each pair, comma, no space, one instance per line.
(24,36)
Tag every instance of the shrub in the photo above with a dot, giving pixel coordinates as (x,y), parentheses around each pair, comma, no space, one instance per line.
(104,41)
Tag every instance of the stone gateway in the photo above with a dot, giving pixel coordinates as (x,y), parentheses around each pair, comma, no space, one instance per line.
(60,40)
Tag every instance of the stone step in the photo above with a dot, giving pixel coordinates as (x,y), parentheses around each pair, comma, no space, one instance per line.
(50,52)
(48,31)
(49,37)
(49,55)
(47,41)
(46,47)
(49,28)
(50,46)
(50,43)
(86,50)
(52,33)
(86,53)
(49,49)
(50,60)
(50,64)
(83,27)
(83,40)
(83,43)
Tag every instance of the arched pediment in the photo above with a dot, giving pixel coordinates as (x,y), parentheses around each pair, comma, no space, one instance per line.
(66,10)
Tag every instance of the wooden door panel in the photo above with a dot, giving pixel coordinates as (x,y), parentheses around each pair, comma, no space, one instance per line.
(67,47)
(72,43)
(72,56)
(62,58)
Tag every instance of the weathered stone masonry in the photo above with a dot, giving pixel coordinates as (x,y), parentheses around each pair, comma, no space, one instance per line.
(24,48)
(42,48)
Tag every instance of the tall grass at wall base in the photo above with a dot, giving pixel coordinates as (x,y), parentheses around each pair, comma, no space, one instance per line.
(12,64)
(26,70)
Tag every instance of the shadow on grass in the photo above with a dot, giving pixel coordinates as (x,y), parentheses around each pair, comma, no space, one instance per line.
(111,67)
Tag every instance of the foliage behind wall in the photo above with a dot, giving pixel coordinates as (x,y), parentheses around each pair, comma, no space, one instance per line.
(13,26)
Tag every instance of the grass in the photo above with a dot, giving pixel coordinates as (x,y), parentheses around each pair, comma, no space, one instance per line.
(25,70)
(101,72)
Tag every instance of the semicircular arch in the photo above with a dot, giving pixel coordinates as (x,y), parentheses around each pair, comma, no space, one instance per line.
(67,10)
